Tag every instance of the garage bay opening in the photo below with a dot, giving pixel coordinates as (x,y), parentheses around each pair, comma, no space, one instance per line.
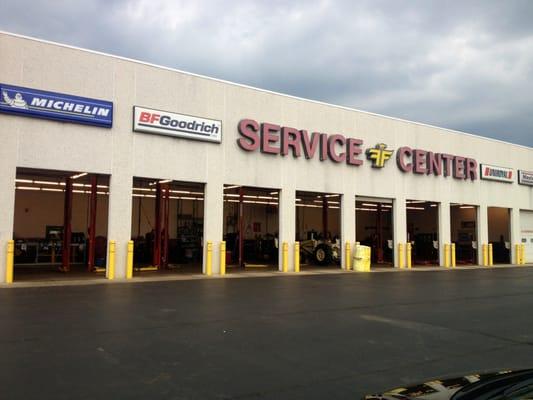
(318,229)
(251,227)
(60,224)
(373,221)
(463,226)
(499,224)
(167,226)
(422,232)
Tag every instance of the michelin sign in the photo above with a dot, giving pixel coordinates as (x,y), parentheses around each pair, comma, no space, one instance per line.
(56,106)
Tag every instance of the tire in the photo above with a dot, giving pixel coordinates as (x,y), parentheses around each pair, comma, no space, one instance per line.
(322,254)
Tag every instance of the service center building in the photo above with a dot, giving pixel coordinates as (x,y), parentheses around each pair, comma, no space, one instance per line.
(123,151)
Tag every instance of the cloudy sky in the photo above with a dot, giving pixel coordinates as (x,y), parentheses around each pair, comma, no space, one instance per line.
(465,65)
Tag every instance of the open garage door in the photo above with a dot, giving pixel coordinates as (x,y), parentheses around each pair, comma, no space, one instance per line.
(167,226)
(373,222)
(318,229)
(499,225)
(463,224)
(251,227)
(60,224)
(422,231)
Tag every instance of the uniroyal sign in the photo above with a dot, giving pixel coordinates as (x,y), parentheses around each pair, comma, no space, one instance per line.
(177,125)
(493,173)
(281,140)
(525,177)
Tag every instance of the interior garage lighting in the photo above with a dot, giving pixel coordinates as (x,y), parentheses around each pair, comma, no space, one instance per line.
(143,195)
(332,195)
(23,181)
(365,209)
(231,187)
(165,181)
(232,201)
(102,186)
(79,175)
(144,189)
(52,190)
(416,201)
(308,205)
(105,193)
(46,183)
(415,208)
(28,188)
(273,193)
(369,204)
(466,207)
(386,206)
(433,205)
(334,207)
(231,195)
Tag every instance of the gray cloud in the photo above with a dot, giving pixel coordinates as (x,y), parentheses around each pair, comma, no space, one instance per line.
(462,65)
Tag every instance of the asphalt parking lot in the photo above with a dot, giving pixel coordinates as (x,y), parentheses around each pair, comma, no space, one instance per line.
(288,337)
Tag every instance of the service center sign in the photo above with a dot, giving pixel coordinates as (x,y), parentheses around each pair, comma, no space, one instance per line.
(525,177)
(56,106)
(500,174)
(178,125)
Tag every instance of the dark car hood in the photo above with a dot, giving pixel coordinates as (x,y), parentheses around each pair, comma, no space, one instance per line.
(439,389)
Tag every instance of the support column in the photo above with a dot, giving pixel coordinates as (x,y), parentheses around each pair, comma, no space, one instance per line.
(399,226)
(347,223)
(213,222)
(444,228)
(67,227)
(287,225)
(7,200)
(515,233)
(156,261)
(119,230)
(92,222)
(482,231)
(241,227)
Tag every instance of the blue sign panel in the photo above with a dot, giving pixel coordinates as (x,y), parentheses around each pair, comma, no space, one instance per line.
(56,106)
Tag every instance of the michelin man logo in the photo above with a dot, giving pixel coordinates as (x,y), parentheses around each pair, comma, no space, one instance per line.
(17,102)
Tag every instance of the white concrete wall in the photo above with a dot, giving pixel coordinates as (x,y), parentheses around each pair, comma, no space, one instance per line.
(122,154)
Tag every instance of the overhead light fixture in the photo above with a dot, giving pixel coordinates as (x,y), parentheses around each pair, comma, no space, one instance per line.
(415,208)
(52,190)
(416,201)
(23,181)
(231,187)
(369,204)
(433,205)
(79,175)
(466,207)
(28,188)
(165,181)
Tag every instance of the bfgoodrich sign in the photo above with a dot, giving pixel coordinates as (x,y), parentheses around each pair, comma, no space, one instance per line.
(178,125)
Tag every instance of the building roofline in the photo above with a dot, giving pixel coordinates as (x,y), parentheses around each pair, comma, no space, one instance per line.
(259,89)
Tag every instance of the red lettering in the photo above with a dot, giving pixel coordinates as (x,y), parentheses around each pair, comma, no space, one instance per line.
(310,146)
(332,153)
(144,117)
(447,158)
(269,136)
(471,169)
(248,128)
(434,164)
(154,118)
(419,161)
(290,137)
(323,147)
(401,154)
(459,167)
(353,150)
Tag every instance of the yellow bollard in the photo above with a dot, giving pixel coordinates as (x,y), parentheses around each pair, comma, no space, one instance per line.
(368,258)
(285,259)
(10,257)
(490,255)
(452,249)
(129,261)
(408,254)
(400,255)
(223,258)
(446,255)
(209,259)
(348,254)
(523,253)
(517,254)
(296,256)
(485,255)
(111,261)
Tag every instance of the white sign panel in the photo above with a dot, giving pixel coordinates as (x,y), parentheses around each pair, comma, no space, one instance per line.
(178,125)
(525,178)
(500,174)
